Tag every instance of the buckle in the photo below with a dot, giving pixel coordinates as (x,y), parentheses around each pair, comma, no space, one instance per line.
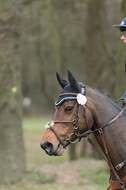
(83,89)
(119,166)
(72,141)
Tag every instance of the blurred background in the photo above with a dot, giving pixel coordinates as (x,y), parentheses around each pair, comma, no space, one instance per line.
(37,39)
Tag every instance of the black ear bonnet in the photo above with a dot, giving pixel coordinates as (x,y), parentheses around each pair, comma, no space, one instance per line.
(72,87)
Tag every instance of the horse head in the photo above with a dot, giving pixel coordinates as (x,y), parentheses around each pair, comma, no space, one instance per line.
(70,117)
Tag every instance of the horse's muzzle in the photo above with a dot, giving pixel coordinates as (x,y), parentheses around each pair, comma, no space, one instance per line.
(47,146)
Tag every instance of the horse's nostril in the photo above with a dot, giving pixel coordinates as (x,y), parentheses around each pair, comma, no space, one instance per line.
(47,146)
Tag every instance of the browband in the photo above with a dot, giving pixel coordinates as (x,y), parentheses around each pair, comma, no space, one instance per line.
(68,94)
(71,95)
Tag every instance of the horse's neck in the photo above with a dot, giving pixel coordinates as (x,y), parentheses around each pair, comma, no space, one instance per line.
(105,109)
(114,134)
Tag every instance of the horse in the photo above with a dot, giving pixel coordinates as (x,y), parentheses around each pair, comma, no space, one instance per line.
(80,111)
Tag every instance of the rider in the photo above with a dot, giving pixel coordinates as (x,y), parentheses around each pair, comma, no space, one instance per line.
(122,28)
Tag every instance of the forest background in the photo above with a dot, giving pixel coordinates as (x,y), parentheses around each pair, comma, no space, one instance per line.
(41,37)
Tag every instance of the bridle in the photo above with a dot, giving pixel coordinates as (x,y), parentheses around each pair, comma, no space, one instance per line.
(74,122)
(77,135)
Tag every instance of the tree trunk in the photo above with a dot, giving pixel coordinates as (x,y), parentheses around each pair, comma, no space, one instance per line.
(94,50)
(12,153)
(123,8)
(72,152)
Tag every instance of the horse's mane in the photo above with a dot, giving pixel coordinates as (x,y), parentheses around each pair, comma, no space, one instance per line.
(111,100)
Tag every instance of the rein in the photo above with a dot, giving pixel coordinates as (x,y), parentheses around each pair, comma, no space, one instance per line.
(85,134)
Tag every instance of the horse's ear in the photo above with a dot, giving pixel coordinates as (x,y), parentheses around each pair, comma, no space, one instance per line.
(61,81)
(73,82)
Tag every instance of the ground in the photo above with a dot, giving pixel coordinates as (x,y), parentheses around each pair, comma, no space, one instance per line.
(56,173)
(87,174)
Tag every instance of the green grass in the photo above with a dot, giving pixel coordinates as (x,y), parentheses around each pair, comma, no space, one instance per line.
(38,177)
(53,187)
(100,175)
(97,176)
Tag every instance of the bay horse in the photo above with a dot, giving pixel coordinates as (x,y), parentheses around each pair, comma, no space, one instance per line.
(81,110)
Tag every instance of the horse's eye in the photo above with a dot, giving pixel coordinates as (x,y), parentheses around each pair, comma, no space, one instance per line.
(68,109)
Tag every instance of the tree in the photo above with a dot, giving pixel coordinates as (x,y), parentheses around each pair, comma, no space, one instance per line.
(12,153)
(123,8)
